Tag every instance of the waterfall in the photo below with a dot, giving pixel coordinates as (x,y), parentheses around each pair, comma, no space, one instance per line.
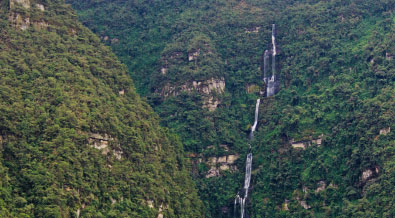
(247,179)
(274,39)
(265,65)
(274,53)
(272,85)
(271,82)
(253,128)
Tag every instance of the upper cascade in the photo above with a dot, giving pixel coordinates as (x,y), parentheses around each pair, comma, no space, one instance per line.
(274,39)
(271,81)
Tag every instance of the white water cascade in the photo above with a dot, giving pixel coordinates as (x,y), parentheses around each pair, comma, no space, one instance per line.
(271,82)
(253,128)
(274,39)
(247,179)
(272,87)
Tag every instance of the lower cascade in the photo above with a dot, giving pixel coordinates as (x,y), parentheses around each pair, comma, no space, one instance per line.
(242,200)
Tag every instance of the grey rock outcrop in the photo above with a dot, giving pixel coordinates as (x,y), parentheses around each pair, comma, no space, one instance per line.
(218,164)
(23,3)
(102,141)
(305,143)
(385,131)
(207,88)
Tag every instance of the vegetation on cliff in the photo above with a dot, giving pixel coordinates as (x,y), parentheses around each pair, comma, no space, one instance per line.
(76,140)
(337,71)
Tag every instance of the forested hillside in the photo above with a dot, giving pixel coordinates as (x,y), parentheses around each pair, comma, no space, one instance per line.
(325,142)
(76,140)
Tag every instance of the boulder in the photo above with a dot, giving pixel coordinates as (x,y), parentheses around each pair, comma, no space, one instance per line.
(385,131)
(40,7)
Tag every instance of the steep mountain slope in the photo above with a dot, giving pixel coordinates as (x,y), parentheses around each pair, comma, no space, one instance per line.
(324,142)
(339,105)
(75,138)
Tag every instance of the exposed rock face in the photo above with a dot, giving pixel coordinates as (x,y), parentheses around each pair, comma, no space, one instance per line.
(163,70)
(253,30)
(101,142)
(299,145)
(23,21)
(117,154)
(320,186)
(304,205)
(219,164)
(161,208)
(40,7)
(113,201)
(301,199)
(207,88)
(150,203)
(232,158)
(225,147)
(72,31)
(193,55)
(212,172)
(285,205)
(40,25)
(385,131)
(366,175)
(306,143)
(317,141)
(369,174)
(221,159)
(18,21)
(211,104)
(23,3)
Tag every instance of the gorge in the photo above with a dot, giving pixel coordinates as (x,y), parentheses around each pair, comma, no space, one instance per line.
(158,108)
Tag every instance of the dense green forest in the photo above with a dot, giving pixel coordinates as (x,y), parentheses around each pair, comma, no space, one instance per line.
(76,140)
(325,142)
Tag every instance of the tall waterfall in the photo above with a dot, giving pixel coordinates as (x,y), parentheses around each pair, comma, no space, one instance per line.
(271,81)
(272,87)
(247,178)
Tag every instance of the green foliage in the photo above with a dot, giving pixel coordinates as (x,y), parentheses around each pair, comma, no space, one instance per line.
(58,86)
(337,80)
